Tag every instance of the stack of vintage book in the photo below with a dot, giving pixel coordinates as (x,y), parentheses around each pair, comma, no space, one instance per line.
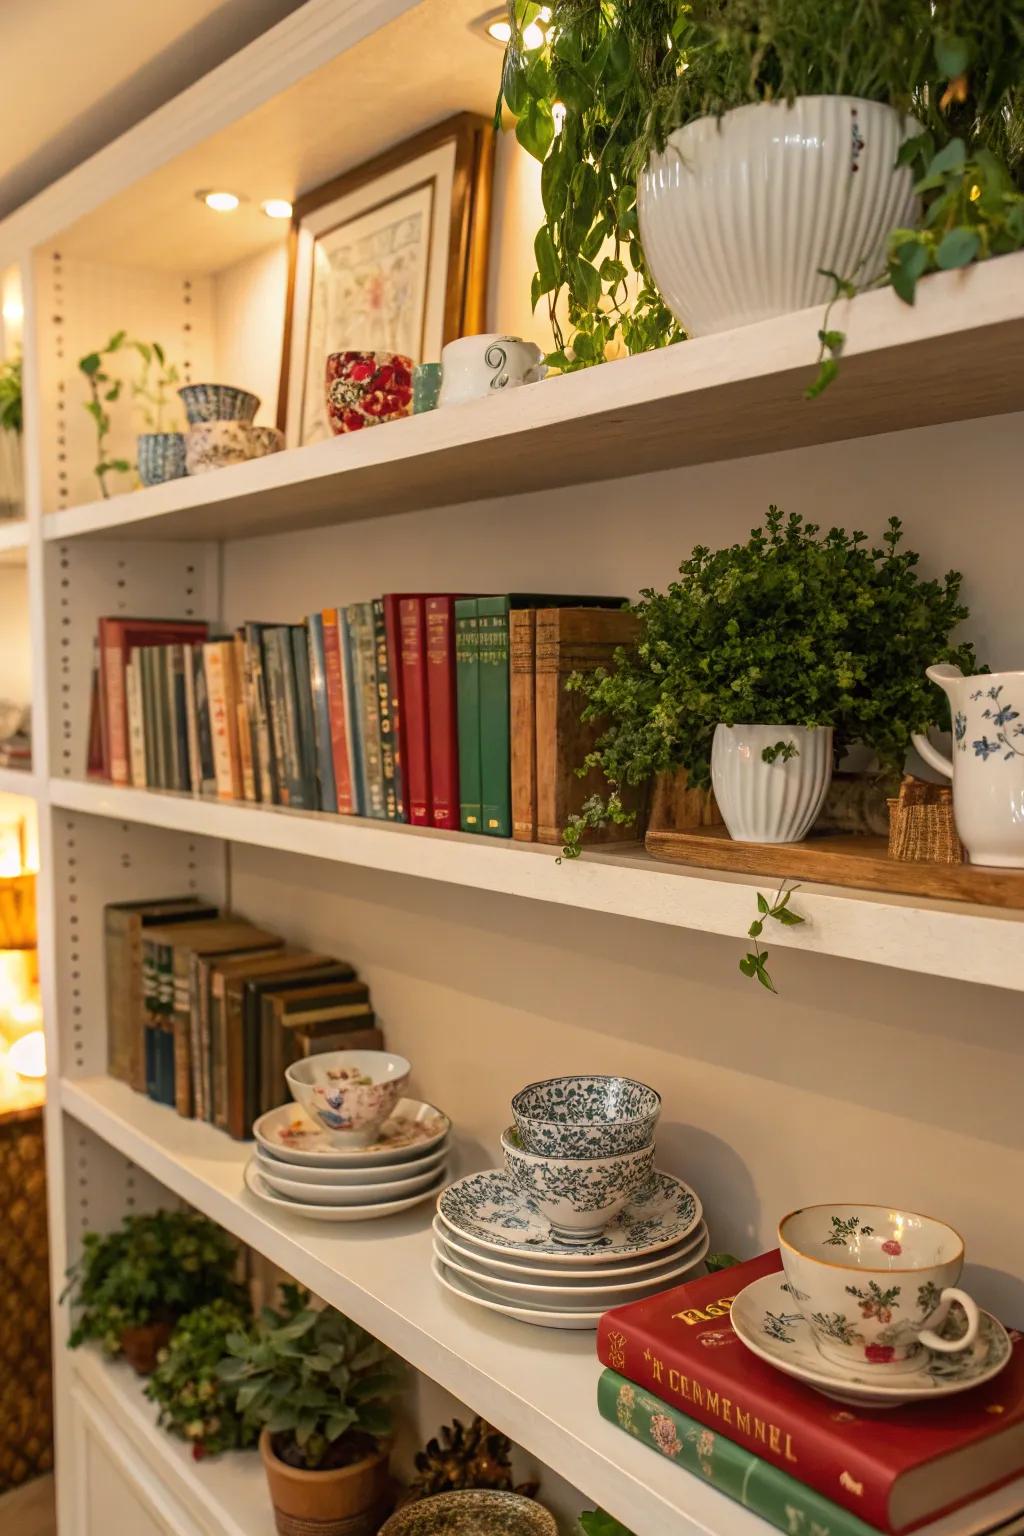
(434,709)
(206,1010)
(679,1379)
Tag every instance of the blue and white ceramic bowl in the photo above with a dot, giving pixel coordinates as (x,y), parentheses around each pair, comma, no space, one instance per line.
(217,402)
(578,1195)
(161,457)
(586,1116)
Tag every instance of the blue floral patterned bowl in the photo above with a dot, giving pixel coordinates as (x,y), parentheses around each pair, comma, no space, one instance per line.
(161,456)
(217,402)
(578,1195)
(586,1116)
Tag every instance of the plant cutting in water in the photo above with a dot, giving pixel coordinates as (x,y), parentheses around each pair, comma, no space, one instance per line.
(156,376)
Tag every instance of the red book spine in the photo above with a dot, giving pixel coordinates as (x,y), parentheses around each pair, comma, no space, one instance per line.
(114,705)
(396,701)
(439,615)
(335,684)
(415,736)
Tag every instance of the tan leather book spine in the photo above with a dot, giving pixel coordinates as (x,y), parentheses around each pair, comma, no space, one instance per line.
(245,758)
(572,640)
(522,632)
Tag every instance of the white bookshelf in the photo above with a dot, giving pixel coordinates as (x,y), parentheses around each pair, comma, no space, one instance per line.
(893,1054)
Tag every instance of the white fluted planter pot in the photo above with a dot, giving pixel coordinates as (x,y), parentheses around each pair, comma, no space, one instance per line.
(738,214)
(770,802)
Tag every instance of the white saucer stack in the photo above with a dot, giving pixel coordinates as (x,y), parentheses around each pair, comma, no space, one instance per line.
(298,1167)
(579,1220)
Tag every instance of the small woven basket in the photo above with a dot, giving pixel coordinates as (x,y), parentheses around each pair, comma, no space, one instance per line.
(921,825)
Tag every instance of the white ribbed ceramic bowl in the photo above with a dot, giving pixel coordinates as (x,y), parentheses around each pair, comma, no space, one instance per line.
(737,215)
(770,802)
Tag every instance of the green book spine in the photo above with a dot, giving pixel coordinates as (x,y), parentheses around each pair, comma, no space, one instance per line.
(365,666)
(467,699)
(729,1467)
(495,781)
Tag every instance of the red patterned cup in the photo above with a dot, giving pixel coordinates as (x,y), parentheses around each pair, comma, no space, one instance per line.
(364,388)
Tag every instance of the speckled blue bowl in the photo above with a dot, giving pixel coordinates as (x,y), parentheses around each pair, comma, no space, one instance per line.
(217,402)
(586,1116)
(161,457)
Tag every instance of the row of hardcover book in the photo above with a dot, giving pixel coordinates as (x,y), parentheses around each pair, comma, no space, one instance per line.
(433,709)
(206,1010)
(679,1379)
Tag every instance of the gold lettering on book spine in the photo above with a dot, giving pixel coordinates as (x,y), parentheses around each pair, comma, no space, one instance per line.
(690,1390)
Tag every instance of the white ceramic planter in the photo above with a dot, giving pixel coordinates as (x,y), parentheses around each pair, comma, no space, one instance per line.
(770,802)
(738,214)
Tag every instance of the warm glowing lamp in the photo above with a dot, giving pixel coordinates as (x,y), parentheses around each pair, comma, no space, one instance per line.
(27,1056)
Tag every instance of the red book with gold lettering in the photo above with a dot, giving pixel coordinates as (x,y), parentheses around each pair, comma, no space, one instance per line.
(895,1468)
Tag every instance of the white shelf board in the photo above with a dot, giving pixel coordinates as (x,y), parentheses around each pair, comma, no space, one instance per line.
(13,541)
(19,781)
(536,1385)
(954,355)
(943,938)
(228,1493)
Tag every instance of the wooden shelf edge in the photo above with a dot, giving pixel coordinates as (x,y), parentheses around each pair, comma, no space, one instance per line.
(951,939)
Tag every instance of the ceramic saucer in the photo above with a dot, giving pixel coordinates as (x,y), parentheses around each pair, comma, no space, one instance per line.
(765,1319)
(530,1267)
(541,1317)
(376,1173)
(488,1208)
(255,1185)
(578,1290)
(351,1194)
(472,1512)
(288,1133)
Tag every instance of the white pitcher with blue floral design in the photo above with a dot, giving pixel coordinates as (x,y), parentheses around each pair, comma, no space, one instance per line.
(987,766)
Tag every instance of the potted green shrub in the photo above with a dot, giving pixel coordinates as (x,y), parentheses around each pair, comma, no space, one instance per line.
(195,1403)
(129,1287)
(737,153)
(318,1386)
(772,644)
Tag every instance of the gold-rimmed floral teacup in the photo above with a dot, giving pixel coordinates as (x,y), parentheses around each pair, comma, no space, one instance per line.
(875,1284)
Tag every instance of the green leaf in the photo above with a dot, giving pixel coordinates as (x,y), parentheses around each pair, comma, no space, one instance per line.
(547,259)
(755,930)
(714,1262)
(906,265)
(921,147)
(951,55)
(762,904)
(554,183)
(536,129)
(787,918)
(584,282)
(765,979)
(828,368)
(950,158)
(612,271)
(748,965)
(513,85)
(957,247)
(90,364)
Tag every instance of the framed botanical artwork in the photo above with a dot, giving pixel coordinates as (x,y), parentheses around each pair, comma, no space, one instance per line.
(391,256)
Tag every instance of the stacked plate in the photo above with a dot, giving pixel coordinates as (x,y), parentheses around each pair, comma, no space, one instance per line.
(299,1168)
(493,1247)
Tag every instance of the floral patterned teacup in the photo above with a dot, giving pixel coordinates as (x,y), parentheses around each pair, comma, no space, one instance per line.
(875,1284)
(349,1094)
(987,767)
(578,1195)
(365,388)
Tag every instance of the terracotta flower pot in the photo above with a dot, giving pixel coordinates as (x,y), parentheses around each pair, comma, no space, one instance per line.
(345,1501)
(140,1346)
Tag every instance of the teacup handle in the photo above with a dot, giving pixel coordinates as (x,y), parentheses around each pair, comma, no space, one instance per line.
(930,1337)
(932,756)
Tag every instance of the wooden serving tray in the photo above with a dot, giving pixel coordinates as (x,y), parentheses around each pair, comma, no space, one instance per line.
(848,860)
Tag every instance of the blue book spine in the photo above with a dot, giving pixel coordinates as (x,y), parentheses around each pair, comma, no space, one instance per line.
(321,718)
(348,635)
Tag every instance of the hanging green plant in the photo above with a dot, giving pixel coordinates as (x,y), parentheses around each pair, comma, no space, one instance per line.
(11,413)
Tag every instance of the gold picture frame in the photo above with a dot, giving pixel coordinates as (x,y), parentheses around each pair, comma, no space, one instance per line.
(389,256)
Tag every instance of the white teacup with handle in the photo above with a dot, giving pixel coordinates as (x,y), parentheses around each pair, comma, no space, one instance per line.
(477,366)
(875,1284)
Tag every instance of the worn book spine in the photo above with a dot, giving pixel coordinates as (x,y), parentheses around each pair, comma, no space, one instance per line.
(144,663)
(179,715)
(415,732)
(280,640)
(467,686)
(161,715)
(112,692)
(337,710)
(364,662)
(327,794)
(784,1502)
(136,723)
(348,633)
(181,1027)
(388,748)
(223,719)
(122,944)
(204,725)
(493,683)
(260,714)
(572,640)
(304,717)
(396,701)
(246,762)
(439,620)
(522,650)
(276,711)
(195,767)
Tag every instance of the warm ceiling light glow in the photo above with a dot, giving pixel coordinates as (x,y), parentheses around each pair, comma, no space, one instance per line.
(27,1056)
(13,311)
(220,202)
(277,208)
(499,31)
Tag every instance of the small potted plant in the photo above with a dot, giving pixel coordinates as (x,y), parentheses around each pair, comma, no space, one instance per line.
(318,1386)
(765,653)
(195,1403)
(129,1287)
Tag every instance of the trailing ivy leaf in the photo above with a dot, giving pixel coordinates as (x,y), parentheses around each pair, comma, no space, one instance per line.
(828,370)
(950,158)
(584,281)
(918,149)
(554,182)
(951,55)
(907,263)
(90,364)
(957,247)
(787,918)
(612,271)
(536,129)
(715,1262)
(547,259)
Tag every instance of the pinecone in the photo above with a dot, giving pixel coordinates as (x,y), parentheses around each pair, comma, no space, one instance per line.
(477,1457)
